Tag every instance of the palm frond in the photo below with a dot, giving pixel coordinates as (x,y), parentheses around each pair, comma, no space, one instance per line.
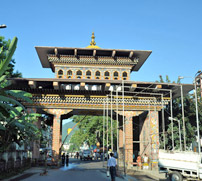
(10,101)
(4,63)
(2,117)
(9,108)
(2,127)
(18,94)
(4,111)
(2,78)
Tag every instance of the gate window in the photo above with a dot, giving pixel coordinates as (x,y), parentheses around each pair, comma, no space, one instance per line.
(106,75)
(69,74)
(88,74)
(60,74)
(125,76)
(97,74)
(78,74)
(116,75)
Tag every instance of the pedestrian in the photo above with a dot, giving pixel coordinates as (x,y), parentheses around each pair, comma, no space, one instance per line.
(106,155)
(101,156)
(145,162)
(139,161)
(77,155)
(111,165)
(67,160)
(63,159)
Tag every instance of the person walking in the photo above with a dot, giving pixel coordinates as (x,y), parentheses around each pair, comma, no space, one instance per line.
(111,165)
(63,159)
(77,155)
(67,160)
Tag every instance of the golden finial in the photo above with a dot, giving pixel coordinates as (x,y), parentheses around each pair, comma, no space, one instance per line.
(92,43)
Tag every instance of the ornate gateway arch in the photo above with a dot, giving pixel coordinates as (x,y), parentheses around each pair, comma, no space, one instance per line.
(85,78)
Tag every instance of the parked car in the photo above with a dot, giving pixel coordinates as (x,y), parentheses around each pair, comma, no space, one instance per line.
(86,155)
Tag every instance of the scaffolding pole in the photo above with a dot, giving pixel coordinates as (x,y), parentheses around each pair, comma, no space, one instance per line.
(117,126)
(182,103)
(112,145)
(107,128)
(124,163)
(103,133)
(163,124)
(171,113)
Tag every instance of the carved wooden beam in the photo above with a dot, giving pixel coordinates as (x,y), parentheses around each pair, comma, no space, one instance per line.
(94,53)
(56,51)
(136,59)
(75,52)
(82,85)
(133,87)
(32,84)
(107,86)
(158,86)
(131,54)
(113,53)
(56,85)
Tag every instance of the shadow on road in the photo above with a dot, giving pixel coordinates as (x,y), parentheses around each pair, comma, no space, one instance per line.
(22,177)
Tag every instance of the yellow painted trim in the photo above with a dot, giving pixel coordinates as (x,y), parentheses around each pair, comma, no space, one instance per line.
(125,97)
(56,95)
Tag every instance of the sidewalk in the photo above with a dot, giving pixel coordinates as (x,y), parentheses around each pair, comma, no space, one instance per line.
(153,174)
(27,173)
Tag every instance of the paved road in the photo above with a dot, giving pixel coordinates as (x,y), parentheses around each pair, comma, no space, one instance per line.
(76,171)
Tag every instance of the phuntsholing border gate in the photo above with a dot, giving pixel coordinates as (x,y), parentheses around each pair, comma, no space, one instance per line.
(96,81)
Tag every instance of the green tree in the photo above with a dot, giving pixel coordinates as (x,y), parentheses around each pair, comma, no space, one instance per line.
(15,125)
(4,44)
(19,128)
(190,119)
(91,131)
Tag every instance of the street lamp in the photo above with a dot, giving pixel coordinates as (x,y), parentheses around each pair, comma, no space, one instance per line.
(197,118)
(184,132)
(3,26)
(170,118)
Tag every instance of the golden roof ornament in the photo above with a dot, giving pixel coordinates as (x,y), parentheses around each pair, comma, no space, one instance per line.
(92,43)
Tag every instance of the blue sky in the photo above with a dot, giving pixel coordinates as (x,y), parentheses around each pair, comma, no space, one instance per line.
(172,29)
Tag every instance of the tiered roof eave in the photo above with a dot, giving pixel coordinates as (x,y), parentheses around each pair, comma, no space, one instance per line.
(135,55)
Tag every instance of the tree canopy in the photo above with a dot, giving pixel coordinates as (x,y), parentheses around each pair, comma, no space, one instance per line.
(9,72)
(190,120)
(90,131)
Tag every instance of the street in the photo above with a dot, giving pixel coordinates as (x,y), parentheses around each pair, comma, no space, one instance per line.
(78,170)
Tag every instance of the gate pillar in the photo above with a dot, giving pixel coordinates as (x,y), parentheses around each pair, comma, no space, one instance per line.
(149,137)
(128,115)
(57,128)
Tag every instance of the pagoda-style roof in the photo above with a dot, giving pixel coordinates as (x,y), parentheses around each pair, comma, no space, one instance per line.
(134,58)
